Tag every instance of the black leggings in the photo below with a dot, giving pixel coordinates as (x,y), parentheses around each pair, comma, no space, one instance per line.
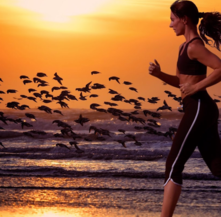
(198,127)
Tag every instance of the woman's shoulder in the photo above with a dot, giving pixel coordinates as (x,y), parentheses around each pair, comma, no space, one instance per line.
(195,47)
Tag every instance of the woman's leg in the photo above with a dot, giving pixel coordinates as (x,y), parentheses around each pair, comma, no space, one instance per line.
(184,143)
(171,195)
(210,149)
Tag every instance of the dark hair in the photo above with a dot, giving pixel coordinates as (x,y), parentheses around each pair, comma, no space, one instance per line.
(210,25)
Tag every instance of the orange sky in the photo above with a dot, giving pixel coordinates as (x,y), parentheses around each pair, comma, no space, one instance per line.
(115,37)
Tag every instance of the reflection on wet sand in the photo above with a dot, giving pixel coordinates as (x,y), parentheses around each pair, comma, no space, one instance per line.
(33,211)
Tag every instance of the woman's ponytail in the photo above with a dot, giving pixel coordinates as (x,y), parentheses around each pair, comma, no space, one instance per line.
(210,25)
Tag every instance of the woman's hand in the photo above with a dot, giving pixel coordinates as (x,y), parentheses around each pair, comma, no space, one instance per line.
(154,69)
(187,89)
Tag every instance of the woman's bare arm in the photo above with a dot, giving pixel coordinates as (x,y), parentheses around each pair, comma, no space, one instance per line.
(203,55)
(154,70)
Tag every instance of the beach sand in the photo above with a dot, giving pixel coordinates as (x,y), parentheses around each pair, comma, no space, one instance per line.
(91,197)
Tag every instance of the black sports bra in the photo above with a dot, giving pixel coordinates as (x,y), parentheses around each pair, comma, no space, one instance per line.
(187,66)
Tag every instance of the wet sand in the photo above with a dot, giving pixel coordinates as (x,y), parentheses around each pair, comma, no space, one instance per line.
(85,199)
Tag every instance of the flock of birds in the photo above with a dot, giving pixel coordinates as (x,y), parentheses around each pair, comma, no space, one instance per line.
(46,97)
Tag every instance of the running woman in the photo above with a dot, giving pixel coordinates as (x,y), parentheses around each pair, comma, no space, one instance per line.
(199,125)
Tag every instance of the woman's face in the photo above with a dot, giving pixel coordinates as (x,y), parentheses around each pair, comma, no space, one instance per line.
(177,24)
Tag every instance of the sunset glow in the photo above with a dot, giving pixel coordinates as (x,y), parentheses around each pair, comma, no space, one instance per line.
(73,38)
(61,10)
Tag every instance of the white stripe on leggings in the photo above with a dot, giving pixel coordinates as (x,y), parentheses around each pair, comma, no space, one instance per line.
(183,145)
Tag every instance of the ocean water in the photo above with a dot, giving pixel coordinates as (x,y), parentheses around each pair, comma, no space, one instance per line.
(102,177)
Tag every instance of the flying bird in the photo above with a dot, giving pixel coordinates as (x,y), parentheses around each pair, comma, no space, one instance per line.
(32,98)
(57,78)
(81,120)
(85,89)
(122,142)
(94,106)
(2,145)
(55,88)
(165,106)
(97,86)
(45,108)
(95,72)
(62,146)
(93,95)
(47,101)
(11,91)
(30,116)
(82,97)
(24,77)
(57,111)
(127,83)
(112,91)
(12,105)
(78,150)
(72,97)
(41,74)
(26,81)
(31,90)
(141,98)
(63,104)
(25,124)
(133,88)
(114,78)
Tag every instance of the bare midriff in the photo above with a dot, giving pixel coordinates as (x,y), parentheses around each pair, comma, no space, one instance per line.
(190,79)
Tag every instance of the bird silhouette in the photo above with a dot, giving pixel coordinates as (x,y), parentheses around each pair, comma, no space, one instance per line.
(114,78)
(25,124)
(24,77)
(31,90)
(112,91)
(81,120)
(127,83)
(57,78)
(95,72)
(165,106)
(31,116)
(93,95)
(57,111)
(133,88)
(141,98)
(27,81)
(62,146)
(122,142)
(45,108)
(78,150)
(41,74)
(63,104)
(11,91)
(72,97)
(97,86)
(94,106)
(82,97)
(55,88)
(2,145)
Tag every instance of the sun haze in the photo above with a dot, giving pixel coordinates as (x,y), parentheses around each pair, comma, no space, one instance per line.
(115,37)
